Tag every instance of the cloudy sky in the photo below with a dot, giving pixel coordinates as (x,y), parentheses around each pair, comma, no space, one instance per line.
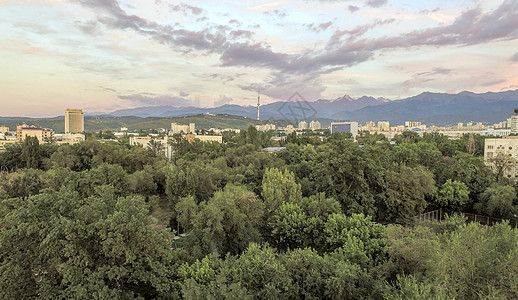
(103,55)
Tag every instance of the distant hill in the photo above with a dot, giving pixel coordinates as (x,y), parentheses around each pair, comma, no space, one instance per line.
(96,123)
(273,111)
(429,108)
(54,123)
(440,109)
(202,121)
(92,123)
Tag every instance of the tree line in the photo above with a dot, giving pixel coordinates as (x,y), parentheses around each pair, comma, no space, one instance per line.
(326,218)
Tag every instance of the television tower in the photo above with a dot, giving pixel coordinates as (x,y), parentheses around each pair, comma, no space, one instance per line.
(258,104)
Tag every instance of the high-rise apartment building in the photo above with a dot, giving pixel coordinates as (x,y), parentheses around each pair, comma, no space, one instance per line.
(315,125)
(179,128)
(383,125)
(74,121)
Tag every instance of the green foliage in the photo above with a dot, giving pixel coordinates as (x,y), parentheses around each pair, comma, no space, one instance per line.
(467,169)
(21,184)
(261,273)
(57,245)
(11,158)
(411,288)
(453,194)
(226,223)
(414,154)
(191,178)
(355,237)
(476,260)
(289,224)
(499,201)
(31,152)
(79,223)
(186,211)
(405,194)
(142,182)
(278,188)
(323,277)
(409,250)
(350,174)
(105,174)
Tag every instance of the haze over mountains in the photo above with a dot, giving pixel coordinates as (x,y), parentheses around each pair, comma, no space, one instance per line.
(429,108)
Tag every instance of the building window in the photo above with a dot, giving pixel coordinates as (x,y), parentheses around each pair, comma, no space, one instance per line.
(490,154)
(490,147)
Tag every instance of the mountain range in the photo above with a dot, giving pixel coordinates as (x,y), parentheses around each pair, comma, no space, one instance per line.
(429,108)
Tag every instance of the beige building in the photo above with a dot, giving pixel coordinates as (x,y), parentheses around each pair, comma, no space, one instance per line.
(74,121)
(303,125)
(204,138)
(69,138)
(43,134)
(315,125)
(514,123)
(179,128)
(4,129)
(383,125)
(507,146)
(265,127)
(6,141)
(144,140)
(411,124)
(168,149)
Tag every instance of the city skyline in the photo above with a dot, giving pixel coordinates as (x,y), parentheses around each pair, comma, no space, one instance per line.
(104,55)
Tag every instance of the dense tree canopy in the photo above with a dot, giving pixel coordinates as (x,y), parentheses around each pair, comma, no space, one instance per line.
(326,218)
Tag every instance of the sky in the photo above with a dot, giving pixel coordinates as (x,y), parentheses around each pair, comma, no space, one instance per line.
(105,55)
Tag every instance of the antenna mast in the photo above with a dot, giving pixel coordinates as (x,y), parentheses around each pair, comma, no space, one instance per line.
(258,104)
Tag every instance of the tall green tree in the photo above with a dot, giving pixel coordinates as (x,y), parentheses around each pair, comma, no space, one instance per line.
(499,201)
(279,187)
(226,223)
(453,194)
(31,152)
(350,174)
(357,233)
(405,194)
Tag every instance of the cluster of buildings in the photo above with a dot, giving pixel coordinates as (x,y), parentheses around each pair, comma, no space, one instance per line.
(303,125)
(498,152)
(74,126)
(384,127)
(188,132)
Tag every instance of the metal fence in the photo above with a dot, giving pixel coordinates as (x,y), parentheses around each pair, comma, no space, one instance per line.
(439,214)
(434,215)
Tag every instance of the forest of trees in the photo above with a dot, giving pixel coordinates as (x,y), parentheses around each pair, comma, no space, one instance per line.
(326,218)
